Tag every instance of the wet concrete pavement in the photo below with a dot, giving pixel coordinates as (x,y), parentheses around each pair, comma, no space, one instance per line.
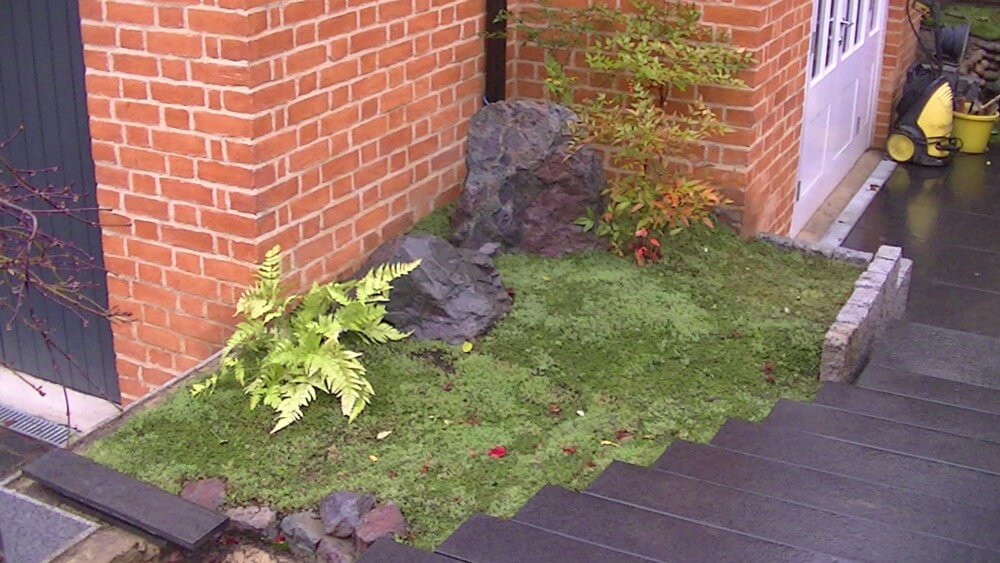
(948,221)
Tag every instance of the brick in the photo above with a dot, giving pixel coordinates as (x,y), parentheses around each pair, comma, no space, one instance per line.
(120,12)
(134,64)
(174,44)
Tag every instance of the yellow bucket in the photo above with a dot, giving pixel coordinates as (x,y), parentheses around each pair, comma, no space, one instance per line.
(974,131)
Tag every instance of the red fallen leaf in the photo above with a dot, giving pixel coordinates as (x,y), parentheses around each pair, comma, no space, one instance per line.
(569,450)
(446,387)
(654,242)
(554,409)
(641,233)
(768,369)
(472,420)
(424,469)
(279,538)
(623,435)
(497,452)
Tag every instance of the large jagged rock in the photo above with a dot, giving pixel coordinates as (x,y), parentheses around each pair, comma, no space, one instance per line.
(524,186)
(455,294)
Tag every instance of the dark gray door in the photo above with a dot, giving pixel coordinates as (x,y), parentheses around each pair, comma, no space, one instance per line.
(42,90)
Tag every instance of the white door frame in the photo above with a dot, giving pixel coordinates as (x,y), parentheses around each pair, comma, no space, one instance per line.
(839,57)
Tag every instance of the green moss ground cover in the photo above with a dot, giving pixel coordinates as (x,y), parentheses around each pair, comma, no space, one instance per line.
(984,21)
(598,360)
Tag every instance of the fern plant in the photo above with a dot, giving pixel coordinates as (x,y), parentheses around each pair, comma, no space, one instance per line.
(288,348)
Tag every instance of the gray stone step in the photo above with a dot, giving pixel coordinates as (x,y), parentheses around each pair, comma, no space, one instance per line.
(862,462)
(122,498)
(774,519)
(835,493)
(484,539)
(388,551)
(648,534)
(941,352)
(887,435)
(928,388)
(916,412)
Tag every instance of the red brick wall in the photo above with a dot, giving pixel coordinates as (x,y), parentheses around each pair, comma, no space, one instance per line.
(757,164)
(221,127)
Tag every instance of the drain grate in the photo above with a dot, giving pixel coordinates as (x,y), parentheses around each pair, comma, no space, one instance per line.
(37,428)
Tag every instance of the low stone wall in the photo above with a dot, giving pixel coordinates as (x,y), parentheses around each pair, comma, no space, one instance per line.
(879,298)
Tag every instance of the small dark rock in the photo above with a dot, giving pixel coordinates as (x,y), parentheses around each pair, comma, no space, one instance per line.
(207,493)
(526,186)
(382,522)
(455,295)
(341,512)
(259,520)
(335,550)
(303,531)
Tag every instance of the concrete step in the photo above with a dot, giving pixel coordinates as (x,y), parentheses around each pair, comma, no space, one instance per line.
(773,519)
(941,352)
(862,462)
(915,412)
(648,534)
(887,435)
(484,539)
(928,388)
(835,493)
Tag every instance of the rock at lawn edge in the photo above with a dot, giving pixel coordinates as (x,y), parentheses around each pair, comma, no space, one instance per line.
(341,512)
(455,295)
(259,520)
(335,550)
(303,531)
(206,493)
(525,187)
(384,521)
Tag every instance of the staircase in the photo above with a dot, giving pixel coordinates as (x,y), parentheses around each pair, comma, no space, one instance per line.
(902,466)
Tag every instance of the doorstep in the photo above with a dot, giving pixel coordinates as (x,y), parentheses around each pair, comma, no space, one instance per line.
(837,211)
(19,390)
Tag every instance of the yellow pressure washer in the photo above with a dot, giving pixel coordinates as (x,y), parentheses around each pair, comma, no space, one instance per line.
(923,119)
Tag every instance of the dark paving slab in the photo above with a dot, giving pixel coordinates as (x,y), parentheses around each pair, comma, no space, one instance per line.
(774,519)
(835,493)
(388,551)
(887,435)
(17,449)
(648,534)
(907,384)
(917,412)
(122,498)
(484,539)
(941,352)
(954,307)
(862,462)
(962,267)
(34,532)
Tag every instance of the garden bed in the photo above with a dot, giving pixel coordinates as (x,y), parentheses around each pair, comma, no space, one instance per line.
(598,360)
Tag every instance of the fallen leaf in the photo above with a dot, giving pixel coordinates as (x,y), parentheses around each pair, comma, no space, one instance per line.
(373,458)
(424,469)
(446,386)
(623,436)
(569,450)
(554,409)
(473,453)
(472,420)
(609,443)
(466,347)
(391,474)
(546,278)
(580,413)
(383,434)
(497,452)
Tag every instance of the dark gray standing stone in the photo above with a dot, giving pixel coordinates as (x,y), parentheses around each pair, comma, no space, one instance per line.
(455,295)
(385,521)
(303,532)
(341,512)
(259,520)
(206,493)
(335,550)
(525,187)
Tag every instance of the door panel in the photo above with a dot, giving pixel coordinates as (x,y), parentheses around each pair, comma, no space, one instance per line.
(42,90)
(840,97)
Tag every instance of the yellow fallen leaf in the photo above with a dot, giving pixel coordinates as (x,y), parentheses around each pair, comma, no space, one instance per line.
(466,347)
(546,278)
(383,435)
(609,443)
(373,458)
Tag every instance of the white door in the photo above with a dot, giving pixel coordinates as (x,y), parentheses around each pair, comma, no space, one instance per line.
(842,75)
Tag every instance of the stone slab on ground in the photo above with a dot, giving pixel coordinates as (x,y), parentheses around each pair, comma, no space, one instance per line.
(33,532)
(941,352)
(120,497)
(928,388)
